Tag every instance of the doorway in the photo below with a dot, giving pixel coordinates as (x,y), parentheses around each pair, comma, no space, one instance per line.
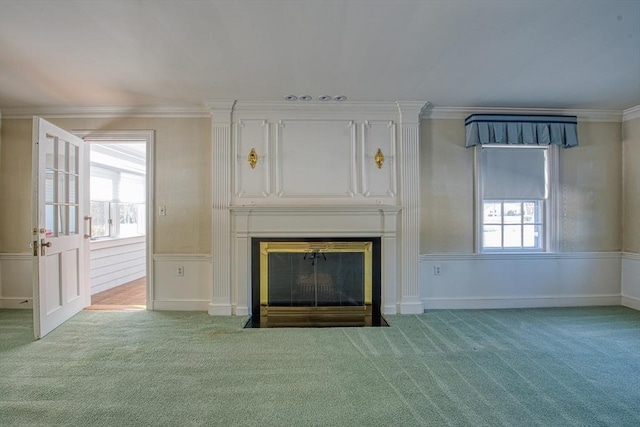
(119,195)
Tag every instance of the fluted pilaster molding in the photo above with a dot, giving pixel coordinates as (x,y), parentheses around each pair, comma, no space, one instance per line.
(409,242)
(221,118)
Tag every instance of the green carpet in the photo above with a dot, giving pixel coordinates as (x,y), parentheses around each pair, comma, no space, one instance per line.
(525,367)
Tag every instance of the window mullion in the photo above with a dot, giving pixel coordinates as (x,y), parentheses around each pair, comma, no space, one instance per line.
(522,224)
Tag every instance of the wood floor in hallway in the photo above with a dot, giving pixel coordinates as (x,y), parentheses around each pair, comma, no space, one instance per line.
(130,296)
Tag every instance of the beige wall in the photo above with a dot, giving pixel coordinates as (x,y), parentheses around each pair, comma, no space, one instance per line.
(446,188)
(590,199)
(15,186)
(591,184)
(182,170)
(631,186)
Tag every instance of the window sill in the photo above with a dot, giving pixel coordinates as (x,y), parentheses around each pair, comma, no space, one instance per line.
(110,242)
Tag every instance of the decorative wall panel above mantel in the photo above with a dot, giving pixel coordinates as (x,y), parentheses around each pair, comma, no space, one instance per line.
(300,159)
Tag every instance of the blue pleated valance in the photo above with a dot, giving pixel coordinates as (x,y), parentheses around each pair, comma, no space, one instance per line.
(516,129)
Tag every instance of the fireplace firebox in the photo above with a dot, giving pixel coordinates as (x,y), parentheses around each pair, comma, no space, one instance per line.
(316,282)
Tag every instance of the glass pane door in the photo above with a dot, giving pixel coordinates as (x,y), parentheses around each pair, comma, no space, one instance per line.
(61,187)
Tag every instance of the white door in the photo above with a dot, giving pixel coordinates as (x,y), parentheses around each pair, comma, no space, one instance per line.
(61,274)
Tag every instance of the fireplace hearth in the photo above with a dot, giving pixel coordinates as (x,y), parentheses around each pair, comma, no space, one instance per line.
(316,282)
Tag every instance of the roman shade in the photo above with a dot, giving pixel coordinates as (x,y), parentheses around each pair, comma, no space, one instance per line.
(516,174)
(518,129)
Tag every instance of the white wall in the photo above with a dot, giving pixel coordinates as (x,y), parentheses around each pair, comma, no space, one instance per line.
(631,209)
(115,262)
(521,280)
(191,292)
(631,280)
(15,280)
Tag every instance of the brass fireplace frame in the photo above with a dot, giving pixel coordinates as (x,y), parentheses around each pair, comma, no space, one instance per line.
(316,315)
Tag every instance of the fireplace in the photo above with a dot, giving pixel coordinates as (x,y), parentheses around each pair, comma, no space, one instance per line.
(316,282)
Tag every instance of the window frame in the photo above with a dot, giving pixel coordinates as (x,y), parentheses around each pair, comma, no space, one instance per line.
(114,174)
(550,218)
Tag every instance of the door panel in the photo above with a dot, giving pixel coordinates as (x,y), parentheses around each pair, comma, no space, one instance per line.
(61,282)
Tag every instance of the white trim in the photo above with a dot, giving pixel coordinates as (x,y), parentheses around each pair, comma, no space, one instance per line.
(521,302)
(24,256)
(514,256)
(148,137)
(151,208)
(313,108)
(115,135)
(552,207)
(427,111)
(110,242)
(411,307)
(240,310)
(631,256)
(16,303)
(106,112)
(631,113)
(351,209)
(629,278)
(180,305)
(219,309)
(630,302)
(391,309)
(551,204)
(477,200)
(182,257)
(464,112)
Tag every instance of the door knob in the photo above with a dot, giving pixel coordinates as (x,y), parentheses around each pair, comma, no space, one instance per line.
(43,245)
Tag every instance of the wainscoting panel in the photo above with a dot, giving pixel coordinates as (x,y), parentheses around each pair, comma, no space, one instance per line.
(116,262)
(316,159)
(379,178)
(16,287)
(190,291)
(520,280)
(251,181)
(631,280)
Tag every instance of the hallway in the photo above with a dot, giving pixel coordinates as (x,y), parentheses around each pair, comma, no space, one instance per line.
(130,296)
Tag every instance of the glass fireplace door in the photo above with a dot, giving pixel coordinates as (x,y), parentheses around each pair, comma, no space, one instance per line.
(311,279)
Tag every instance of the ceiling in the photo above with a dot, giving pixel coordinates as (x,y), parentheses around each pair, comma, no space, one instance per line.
(581,54)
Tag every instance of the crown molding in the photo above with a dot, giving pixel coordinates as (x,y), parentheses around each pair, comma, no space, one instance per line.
(221,105)
(411,111)
(631,113)
(315,109)
(221,110)
(425,110)
(463,112)
(106,112)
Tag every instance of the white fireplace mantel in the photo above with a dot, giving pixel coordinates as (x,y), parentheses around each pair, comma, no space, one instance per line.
(314,175)
(313,222)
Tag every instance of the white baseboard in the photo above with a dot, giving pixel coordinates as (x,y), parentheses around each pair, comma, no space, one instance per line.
(220,309)
(631,302)
(241,310)
(529,302)
(631,280)
(412,307)
(180,305)
(390,309)
(16,303)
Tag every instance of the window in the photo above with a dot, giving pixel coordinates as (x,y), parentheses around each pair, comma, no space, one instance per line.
(514,187)
(117,190)
(512,224)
